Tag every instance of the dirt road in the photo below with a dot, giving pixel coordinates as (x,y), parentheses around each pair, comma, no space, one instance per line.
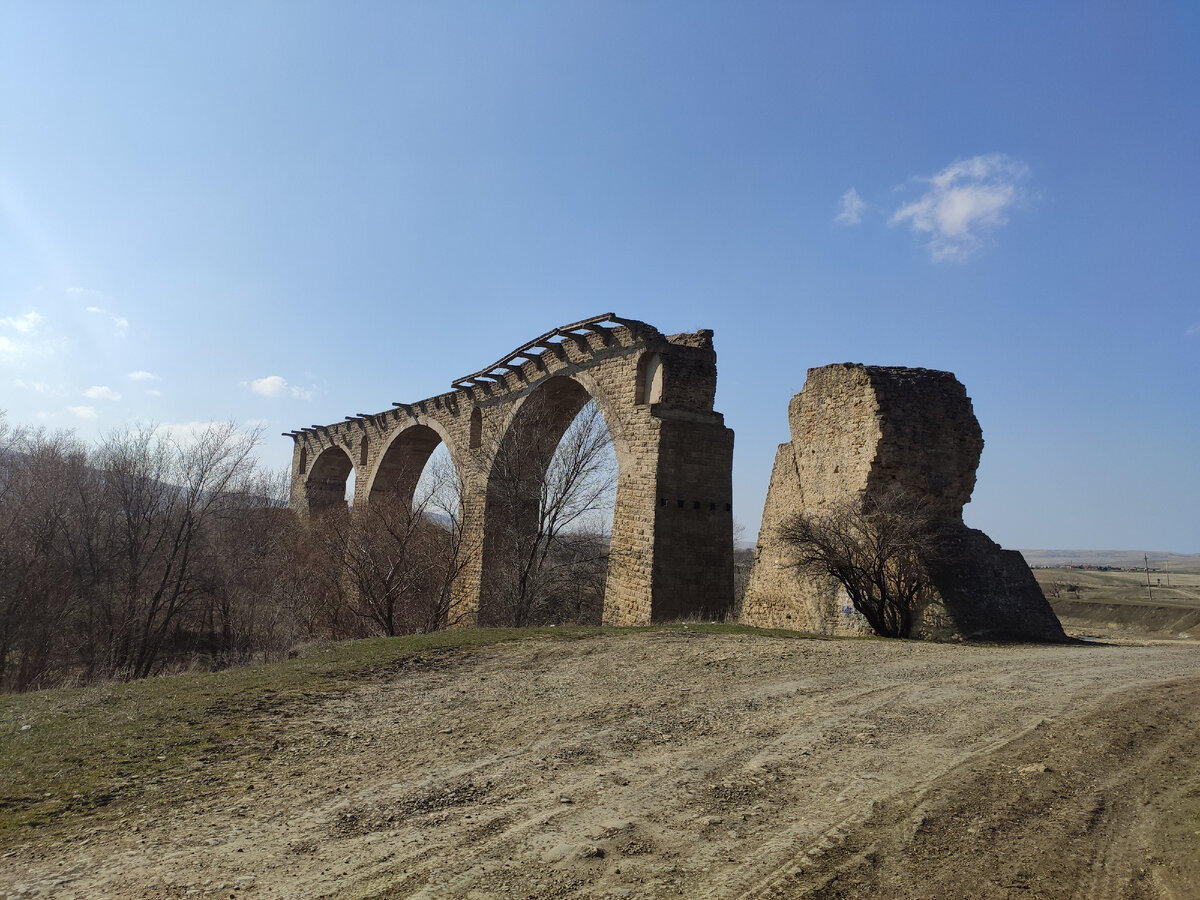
(676,765)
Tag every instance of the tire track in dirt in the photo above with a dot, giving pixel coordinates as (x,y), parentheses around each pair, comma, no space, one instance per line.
(1073,809)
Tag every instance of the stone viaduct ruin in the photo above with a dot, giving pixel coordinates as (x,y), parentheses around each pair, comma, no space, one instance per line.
(673,522)
(856,428)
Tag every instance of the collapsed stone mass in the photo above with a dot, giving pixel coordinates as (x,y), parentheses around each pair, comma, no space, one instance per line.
(855,429)
(672,533)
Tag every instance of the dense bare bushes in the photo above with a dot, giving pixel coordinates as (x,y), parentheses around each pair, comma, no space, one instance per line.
(153,552)
(120,559)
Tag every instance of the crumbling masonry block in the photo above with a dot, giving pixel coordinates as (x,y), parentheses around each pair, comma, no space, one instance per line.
(855,429)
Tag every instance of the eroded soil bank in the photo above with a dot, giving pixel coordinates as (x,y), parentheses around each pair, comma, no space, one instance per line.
(676,765)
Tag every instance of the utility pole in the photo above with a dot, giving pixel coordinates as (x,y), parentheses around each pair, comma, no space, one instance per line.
(1146,560)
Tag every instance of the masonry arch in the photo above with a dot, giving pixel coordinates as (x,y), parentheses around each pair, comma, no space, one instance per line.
(475,440)
(403,460)
(649,387)
(325,486)
(545,547)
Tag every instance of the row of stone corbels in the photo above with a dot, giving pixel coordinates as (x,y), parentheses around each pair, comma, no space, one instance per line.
(692,383)
(349,434)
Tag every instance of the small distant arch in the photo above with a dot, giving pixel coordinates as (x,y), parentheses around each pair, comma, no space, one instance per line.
(649,379)
(326,482)
(476,429)
(303,460)
(363,449)
(403,459)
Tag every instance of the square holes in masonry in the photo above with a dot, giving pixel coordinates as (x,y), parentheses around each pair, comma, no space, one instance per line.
(713,506)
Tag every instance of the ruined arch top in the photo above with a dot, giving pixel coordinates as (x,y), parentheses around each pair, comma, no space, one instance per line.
(672,546)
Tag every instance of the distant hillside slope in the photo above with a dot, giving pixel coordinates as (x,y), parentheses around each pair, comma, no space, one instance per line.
(1125,559)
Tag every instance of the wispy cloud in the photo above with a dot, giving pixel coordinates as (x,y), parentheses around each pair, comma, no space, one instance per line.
(24,324)
(142,376)
(277,386)
(84,412)
(101,392)
(153,393)
(39,387)
(966,201)
(119,323)
(1194,328)
(29,338)
(852,207)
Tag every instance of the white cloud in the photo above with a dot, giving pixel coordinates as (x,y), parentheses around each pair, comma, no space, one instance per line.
(84,412)
(1194,328)
(852,208)
(24,324)
(119,323)
(271,386)
(101,392)
(153,393)
(142,376)
(277,386)
(966,200)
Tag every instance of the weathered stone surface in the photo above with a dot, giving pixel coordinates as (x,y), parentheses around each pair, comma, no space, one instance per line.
(672,531)
(855,429)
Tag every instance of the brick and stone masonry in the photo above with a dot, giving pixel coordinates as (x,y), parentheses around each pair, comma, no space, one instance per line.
(672,535)
(857,428)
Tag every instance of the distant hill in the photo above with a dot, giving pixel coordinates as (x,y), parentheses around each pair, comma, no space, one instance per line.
(1124,559)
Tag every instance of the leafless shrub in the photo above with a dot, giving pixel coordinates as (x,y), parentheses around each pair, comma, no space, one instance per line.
(876,547)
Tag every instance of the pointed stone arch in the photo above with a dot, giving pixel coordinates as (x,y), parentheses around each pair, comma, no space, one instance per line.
(523,451)
(650,379)
(476,438)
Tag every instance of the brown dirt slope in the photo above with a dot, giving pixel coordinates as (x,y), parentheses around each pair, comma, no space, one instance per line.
(668,764)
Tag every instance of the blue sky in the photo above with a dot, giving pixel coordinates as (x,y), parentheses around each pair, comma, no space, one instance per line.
(286,213)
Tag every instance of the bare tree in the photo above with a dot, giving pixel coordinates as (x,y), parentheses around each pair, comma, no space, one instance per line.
(151,499)
(550,519)
(394,562)
(439,497)
(876,547)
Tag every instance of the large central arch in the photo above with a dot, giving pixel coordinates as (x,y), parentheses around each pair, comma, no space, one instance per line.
(672,538)
(522,502)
